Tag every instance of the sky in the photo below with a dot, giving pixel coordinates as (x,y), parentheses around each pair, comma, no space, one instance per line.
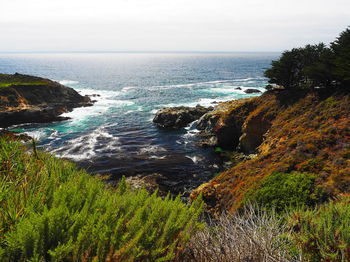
(164,25)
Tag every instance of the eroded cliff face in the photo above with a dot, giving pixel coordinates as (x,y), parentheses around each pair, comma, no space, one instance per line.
(28,99)
(289,131)
(223,126)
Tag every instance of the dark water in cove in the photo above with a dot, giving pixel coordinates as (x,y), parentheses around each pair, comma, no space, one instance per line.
(117,135)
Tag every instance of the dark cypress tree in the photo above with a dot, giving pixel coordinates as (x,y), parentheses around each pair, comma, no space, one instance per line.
(341,59)
(297,68)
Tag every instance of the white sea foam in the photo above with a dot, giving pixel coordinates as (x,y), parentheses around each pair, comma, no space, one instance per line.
(151,149)
(54,135)
(68,82)
(87,146)
(195,159)
(157,157)
(37,134)
(128,88)
(137,109)
(208,83)
(105,100)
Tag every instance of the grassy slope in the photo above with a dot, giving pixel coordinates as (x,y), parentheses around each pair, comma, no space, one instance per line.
(7,80)
(309,135)
(52,211)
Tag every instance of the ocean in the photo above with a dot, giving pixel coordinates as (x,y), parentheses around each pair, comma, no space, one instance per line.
(116,135)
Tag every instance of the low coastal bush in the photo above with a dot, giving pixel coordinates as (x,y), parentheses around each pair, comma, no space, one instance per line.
(53,211)
(286,190)
(251,235)
(323,234)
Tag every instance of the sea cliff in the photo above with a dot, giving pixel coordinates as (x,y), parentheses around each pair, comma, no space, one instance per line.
(30,99)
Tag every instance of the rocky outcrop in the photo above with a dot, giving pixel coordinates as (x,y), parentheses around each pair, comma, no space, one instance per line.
(11,135)
(29,99)
(241,124)
(223,126)
(252,91)
(290,131)
(178,117)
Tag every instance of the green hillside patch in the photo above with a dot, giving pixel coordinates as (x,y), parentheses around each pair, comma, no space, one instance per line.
(21,84)
(7,80)
(53,211)
(281,191)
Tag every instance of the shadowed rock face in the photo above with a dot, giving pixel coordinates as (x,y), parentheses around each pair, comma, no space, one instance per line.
(223,126)
(178,117)
(29,99)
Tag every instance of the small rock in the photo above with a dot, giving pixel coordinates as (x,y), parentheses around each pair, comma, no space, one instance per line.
(251,91)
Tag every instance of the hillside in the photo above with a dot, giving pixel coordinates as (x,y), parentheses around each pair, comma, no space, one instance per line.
(27,99)
(291,132)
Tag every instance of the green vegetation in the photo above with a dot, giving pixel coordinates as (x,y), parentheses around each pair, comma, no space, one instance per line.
(52,211)
(314,66)
(281,191)
(7,80)
(323,234)
(20,83)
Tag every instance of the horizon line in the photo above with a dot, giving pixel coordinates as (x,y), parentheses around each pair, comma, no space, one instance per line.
(131,52)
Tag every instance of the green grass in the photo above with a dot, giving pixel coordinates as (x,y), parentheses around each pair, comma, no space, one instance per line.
(7,80)
(53,211)
(21,83)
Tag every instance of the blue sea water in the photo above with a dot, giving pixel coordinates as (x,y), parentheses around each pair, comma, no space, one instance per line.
(117,135)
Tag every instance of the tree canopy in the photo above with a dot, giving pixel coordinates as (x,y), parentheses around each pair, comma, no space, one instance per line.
(314,66)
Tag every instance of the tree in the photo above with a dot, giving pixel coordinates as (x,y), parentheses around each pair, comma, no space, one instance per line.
(341,60)
(299,67)
(319,73)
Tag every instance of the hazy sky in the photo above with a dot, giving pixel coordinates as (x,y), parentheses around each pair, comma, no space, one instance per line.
(169,25)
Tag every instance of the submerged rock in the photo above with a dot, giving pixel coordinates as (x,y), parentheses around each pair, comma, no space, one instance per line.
(252,91)
(30,99)
(150,182)
(179,117)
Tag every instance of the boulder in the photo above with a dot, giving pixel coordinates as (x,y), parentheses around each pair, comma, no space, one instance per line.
(252,91)
(178,117)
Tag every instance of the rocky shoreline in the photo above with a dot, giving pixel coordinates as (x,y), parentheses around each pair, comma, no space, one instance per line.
(29,99)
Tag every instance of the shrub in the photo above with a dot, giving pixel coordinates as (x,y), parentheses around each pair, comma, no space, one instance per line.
(286,190)
(52,211)
(323,234)
(252,235)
